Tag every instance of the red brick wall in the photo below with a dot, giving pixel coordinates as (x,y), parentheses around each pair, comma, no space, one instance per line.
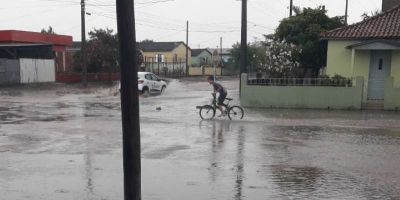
(69,61)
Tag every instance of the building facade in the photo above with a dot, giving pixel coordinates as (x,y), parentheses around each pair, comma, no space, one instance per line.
(370,49)
(165,58)
(201,57)
(165,52)
(30,57)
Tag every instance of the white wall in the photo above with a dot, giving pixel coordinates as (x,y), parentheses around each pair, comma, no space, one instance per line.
(37,70)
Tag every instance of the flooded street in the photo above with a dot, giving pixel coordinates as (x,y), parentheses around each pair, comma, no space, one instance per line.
(60,143)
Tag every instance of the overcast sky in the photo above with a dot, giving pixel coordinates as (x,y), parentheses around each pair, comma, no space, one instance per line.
(165,20)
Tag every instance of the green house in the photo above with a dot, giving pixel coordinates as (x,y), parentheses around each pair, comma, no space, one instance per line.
(370,49)
(201,57)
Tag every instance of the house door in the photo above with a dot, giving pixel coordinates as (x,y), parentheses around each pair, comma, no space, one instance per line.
(378,72)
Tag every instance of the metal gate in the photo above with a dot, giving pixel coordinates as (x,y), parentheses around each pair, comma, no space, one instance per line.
(378,72)
(9,72)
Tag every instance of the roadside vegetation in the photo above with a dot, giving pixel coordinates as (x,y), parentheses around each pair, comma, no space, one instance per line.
(295,49)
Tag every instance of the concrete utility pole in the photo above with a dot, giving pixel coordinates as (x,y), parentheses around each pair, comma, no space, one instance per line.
(243,44)
(291,8)
(187,48)
(83,45)
(346,15)
(129,99)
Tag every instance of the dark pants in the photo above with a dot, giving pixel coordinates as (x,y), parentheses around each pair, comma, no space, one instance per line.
(221,98)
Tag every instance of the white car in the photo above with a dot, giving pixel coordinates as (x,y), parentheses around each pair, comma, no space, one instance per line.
(149,83)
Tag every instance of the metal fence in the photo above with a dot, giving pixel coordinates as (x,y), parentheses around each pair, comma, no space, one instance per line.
(322,82)
(166,69)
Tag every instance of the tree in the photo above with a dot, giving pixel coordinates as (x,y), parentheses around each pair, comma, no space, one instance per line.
(367,15)
(280,59)
(275,58)
(255,55)
(147,41)
(49,30)
(102,52)
(303,30)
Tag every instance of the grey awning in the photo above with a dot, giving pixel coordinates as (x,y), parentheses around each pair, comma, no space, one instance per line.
(376,45)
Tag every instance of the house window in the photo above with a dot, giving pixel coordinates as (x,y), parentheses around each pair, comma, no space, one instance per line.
(380,64)
(159,58)
(175,60)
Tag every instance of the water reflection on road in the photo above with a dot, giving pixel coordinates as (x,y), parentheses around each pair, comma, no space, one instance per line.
(59,147)
(219,128)
(296,162)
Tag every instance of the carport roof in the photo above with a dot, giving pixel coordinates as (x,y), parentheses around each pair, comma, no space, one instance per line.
(20,37)
(21,45)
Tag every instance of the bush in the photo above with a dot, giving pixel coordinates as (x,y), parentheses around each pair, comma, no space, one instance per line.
(336,80)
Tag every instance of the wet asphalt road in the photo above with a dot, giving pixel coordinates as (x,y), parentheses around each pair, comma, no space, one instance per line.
(60,144)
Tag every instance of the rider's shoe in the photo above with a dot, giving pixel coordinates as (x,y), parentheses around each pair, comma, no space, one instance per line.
(223,114)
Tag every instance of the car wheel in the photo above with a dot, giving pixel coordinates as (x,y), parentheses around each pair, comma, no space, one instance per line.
(145,92)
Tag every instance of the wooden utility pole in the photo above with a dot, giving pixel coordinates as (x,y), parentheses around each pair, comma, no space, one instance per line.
(220,51)
(243,43)
(187,48)
(291,8)
(346,15)
(220,54)
(215,67)
(83,45)
(129,99)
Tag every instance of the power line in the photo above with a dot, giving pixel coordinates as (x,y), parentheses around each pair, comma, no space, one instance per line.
(160,20)
(137,3)
(264,12)
(37,6)
(156,26)
(35,13)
